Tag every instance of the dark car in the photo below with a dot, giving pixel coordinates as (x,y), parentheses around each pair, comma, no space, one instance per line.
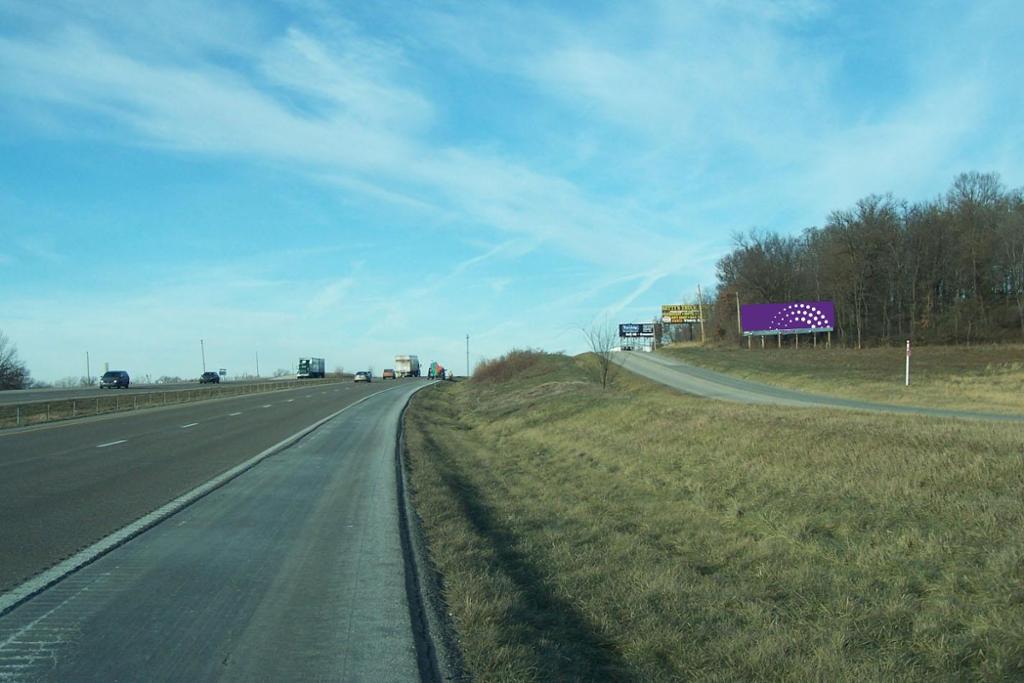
(209,378)
(115,379)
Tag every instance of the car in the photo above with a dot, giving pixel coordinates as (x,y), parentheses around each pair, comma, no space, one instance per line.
(387,374)
(362,376)
(209,378)
(115,379)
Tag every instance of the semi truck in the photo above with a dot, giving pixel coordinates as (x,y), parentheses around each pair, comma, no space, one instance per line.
(310,367)
(407,366)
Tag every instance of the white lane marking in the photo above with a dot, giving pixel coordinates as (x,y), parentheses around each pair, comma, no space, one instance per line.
(267,406)
(233,414)
(190,424)
(308,396)
(111,443)
(291,400)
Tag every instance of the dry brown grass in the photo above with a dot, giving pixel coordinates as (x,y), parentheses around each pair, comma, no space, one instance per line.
(637,534)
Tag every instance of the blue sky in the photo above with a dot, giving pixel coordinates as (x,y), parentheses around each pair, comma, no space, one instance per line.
(356,180)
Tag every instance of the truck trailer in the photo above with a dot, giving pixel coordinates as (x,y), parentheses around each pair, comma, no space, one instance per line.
(407,366)
(310,367)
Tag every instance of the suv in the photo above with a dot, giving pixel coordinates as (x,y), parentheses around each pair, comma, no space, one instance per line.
(209,378)
(115,379)
(387,374)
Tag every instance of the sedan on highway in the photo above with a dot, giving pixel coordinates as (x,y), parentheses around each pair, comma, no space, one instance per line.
(115,379)
(209,378)
(362,376)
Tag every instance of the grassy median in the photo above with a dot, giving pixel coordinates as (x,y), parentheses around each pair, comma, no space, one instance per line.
(982,378)
(639,534)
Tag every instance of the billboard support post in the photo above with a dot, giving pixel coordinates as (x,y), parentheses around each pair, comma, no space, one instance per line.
(700,309)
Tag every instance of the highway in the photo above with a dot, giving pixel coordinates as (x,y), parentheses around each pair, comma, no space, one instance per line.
(698,381)
(11,396)
(294,569)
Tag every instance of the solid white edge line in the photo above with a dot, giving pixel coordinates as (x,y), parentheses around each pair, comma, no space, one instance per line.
(111,443)
(47,578)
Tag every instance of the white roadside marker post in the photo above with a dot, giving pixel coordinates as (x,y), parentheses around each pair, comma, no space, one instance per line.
(908,364)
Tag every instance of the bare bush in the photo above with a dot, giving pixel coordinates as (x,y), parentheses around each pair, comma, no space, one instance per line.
(515,363)
(13,373)
(601,339)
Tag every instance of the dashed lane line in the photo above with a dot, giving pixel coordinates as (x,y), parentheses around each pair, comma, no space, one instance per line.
(111,443)
(234,414)
(190,424)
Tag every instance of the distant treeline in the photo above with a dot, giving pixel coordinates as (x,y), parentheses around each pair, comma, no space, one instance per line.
(949,270)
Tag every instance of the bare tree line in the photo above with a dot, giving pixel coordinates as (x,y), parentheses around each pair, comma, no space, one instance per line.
(949,270)
(13,373)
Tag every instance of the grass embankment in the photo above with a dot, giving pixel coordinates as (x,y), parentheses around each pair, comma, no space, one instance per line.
(637,534)
(980,378)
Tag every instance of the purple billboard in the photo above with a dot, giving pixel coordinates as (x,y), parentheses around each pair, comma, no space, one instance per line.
(798,316)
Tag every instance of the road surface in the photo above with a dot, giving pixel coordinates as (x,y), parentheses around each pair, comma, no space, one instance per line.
(698,381)
(292,570)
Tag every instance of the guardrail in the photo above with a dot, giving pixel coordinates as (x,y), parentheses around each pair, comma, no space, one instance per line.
(39,412)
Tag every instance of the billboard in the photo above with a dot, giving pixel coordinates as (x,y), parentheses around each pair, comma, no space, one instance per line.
(636,329)
(789,318)
(680,313)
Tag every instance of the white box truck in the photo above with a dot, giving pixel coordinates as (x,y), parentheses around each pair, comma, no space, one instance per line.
(310,367)
(407,366)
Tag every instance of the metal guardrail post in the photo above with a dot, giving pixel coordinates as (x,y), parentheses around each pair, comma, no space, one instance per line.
(17,420)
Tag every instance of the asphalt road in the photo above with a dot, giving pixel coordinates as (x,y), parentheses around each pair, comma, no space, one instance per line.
(708,383)
(12,396)
(65,485)
(292,571)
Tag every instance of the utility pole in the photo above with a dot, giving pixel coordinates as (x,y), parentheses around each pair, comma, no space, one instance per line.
(257,364)
(739,325)
(739,328)
(700,311)
(467,355)
(88,373)
(202,350)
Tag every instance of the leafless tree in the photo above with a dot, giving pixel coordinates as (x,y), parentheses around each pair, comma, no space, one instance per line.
(949,269)
(601,339)
(13,373)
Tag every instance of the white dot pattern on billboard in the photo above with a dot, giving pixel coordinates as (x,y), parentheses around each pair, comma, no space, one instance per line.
(799,316)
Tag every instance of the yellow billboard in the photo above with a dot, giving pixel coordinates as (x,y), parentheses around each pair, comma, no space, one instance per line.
(680,313)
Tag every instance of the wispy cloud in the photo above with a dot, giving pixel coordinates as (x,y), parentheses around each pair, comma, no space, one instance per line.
(355,124)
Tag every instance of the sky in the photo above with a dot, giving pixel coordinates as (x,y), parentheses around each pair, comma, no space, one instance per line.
(358,180)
